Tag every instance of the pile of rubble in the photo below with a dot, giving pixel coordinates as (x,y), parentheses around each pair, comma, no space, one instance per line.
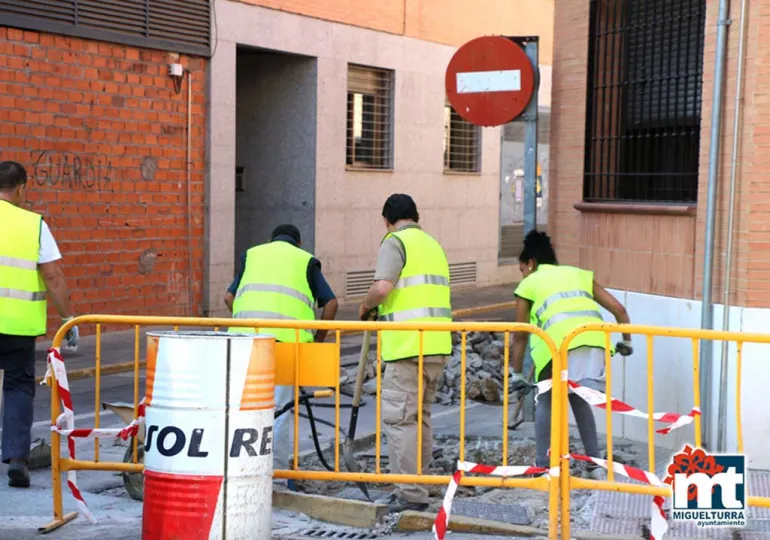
(484,353)
(484,361)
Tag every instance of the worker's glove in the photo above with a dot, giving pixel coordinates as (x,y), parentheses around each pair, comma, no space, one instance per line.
(624,348)
(72,337)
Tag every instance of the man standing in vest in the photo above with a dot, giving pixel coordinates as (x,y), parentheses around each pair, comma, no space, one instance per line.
(28,267)
(411,283)
(279,280)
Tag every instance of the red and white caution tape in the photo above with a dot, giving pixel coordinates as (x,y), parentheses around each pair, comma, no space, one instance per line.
(56,365)
(441,525)
(65,425)
(598,399)
(659,524)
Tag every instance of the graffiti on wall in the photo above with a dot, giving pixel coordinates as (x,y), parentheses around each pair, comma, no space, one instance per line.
(70,170)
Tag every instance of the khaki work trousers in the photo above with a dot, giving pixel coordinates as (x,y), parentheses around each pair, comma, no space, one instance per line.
(399,416)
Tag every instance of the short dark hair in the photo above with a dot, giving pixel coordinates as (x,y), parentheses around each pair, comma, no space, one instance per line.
(12,174)
(400,206)
(287,229)
(538,247)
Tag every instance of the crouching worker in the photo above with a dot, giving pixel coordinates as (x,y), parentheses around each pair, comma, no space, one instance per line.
(558,299)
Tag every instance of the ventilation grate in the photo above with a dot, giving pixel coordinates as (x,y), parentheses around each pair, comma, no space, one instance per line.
(462,273)
(357,282)
(337,534)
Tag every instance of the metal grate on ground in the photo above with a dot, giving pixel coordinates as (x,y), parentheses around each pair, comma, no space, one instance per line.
(629,514)
(335,533)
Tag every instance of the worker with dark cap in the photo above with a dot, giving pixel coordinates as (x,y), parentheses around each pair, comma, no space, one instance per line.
(411,283)
(280,280)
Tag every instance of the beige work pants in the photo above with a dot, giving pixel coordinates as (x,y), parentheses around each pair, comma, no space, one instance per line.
(399,416)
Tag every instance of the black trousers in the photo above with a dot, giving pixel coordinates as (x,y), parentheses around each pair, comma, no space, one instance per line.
(17,360)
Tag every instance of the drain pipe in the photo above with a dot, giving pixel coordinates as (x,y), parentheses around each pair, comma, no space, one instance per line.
(190,280)
(737,121)
(707,315)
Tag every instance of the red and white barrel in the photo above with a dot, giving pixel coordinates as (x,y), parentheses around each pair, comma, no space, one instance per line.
(208,440)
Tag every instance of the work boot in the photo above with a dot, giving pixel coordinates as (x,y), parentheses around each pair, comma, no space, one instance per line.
(18,474)
(397,505)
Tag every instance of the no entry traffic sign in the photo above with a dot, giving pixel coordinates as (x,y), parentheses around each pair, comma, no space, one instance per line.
(490,80)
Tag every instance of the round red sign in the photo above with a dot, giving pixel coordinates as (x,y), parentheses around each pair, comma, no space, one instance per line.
(490,80)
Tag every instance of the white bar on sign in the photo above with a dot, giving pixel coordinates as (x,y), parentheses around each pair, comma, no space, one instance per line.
(489,81)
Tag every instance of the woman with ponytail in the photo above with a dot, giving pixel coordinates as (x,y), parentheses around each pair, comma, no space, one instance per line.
(558,299)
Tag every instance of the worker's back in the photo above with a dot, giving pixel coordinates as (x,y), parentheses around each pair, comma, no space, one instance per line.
(562,299)
(22,290)
(275,286)
(422,294)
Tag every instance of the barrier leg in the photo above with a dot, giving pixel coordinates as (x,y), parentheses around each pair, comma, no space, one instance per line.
(59,518)
(563,452)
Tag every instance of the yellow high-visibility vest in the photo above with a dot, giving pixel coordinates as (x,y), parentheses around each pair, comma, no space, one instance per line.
(421,294)
(274,286)
(23,306)
(562,299)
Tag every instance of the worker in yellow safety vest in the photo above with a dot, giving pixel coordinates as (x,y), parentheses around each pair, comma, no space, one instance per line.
(280,280)
(411,283)
(558,299)
(28,267)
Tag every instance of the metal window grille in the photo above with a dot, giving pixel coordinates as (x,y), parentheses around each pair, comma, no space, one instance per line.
(180,25)
(462,149)
(370,118)
(645,84)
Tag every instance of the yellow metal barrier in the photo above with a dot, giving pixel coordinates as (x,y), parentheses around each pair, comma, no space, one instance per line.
(318,364)
(569,482)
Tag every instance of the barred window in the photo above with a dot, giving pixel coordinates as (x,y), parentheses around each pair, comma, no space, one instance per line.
(462,149)
(370,118)
(643,114)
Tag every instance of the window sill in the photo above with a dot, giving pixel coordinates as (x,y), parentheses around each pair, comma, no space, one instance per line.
(452,172)
(688,209)
(353,168)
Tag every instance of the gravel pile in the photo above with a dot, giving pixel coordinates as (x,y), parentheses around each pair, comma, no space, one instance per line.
(484,379)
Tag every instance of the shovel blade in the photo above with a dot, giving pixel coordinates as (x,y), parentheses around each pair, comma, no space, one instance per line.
(351,464)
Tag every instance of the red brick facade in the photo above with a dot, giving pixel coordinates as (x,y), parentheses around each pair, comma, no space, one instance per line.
(103,134)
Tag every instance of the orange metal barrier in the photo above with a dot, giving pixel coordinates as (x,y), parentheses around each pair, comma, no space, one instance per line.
(314,365)
(568,482)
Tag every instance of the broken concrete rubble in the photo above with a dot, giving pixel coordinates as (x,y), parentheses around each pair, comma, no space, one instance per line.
(485,352)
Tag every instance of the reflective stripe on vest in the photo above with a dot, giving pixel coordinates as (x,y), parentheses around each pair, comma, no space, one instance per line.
(556,297)
(279,289)
(264,315)
(420,294)
(412,281)
(560,317)
(275,286)
(13,262)
(23,307)
(419,313)
(27,296)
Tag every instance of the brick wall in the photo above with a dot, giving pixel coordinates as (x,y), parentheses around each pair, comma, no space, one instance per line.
(452,22)
(663,254)
(103,135)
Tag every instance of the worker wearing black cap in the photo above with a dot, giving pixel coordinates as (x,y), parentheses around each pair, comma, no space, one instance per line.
(411,283)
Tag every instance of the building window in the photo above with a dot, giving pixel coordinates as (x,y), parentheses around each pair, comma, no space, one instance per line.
(370,118)
(643,114)
(462,149)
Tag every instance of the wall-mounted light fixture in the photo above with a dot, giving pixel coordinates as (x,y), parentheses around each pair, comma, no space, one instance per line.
(176,72)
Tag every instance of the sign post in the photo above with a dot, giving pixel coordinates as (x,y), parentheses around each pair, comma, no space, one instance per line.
(491,81)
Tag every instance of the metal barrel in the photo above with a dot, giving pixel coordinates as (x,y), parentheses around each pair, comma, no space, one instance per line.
(208,442)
